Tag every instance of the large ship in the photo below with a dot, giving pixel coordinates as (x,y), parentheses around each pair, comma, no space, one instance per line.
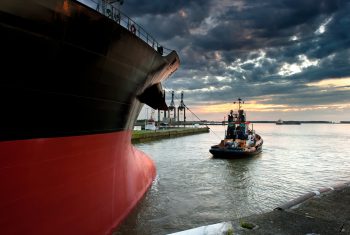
(74,76)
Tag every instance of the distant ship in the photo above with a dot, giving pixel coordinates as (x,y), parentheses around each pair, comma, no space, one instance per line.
(281,122)
(150,123)
(73,80)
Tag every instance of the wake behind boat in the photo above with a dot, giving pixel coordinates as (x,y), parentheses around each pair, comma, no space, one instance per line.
(240,140)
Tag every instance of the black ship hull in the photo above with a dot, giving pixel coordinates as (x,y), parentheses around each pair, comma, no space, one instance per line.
(68,70)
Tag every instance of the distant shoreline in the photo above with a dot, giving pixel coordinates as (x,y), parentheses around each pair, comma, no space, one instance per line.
(205,122)
(304,122)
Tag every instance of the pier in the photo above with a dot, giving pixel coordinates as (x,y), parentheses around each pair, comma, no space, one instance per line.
(325,211)
(149,135)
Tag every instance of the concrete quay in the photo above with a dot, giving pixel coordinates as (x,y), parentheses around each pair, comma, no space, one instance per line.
(322,212)
(149,135)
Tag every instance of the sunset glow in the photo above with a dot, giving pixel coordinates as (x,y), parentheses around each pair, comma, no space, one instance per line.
(333,82)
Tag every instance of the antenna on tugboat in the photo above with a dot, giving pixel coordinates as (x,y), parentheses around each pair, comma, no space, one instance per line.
(240,102)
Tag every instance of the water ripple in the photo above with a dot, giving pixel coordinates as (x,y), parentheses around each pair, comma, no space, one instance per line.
(193,189)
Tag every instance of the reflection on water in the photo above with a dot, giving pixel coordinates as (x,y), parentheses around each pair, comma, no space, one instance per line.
(193,189)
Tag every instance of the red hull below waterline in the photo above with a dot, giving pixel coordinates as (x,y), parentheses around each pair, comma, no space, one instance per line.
(71,185)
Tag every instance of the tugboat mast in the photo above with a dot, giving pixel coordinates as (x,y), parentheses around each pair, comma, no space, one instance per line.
(240,102)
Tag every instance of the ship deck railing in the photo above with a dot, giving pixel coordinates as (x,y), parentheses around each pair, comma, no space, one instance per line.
(115,14)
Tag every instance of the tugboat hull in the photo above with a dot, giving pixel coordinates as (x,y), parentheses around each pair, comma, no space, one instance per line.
(232,153)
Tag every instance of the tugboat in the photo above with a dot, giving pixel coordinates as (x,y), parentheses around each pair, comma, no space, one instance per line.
(240,139)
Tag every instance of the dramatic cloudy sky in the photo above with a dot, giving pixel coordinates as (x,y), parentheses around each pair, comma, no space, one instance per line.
(288,59)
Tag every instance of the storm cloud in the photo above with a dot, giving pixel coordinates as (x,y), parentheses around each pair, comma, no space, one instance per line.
(253,49)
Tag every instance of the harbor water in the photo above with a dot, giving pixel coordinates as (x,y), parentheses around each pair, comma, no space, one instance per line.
(193,189)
